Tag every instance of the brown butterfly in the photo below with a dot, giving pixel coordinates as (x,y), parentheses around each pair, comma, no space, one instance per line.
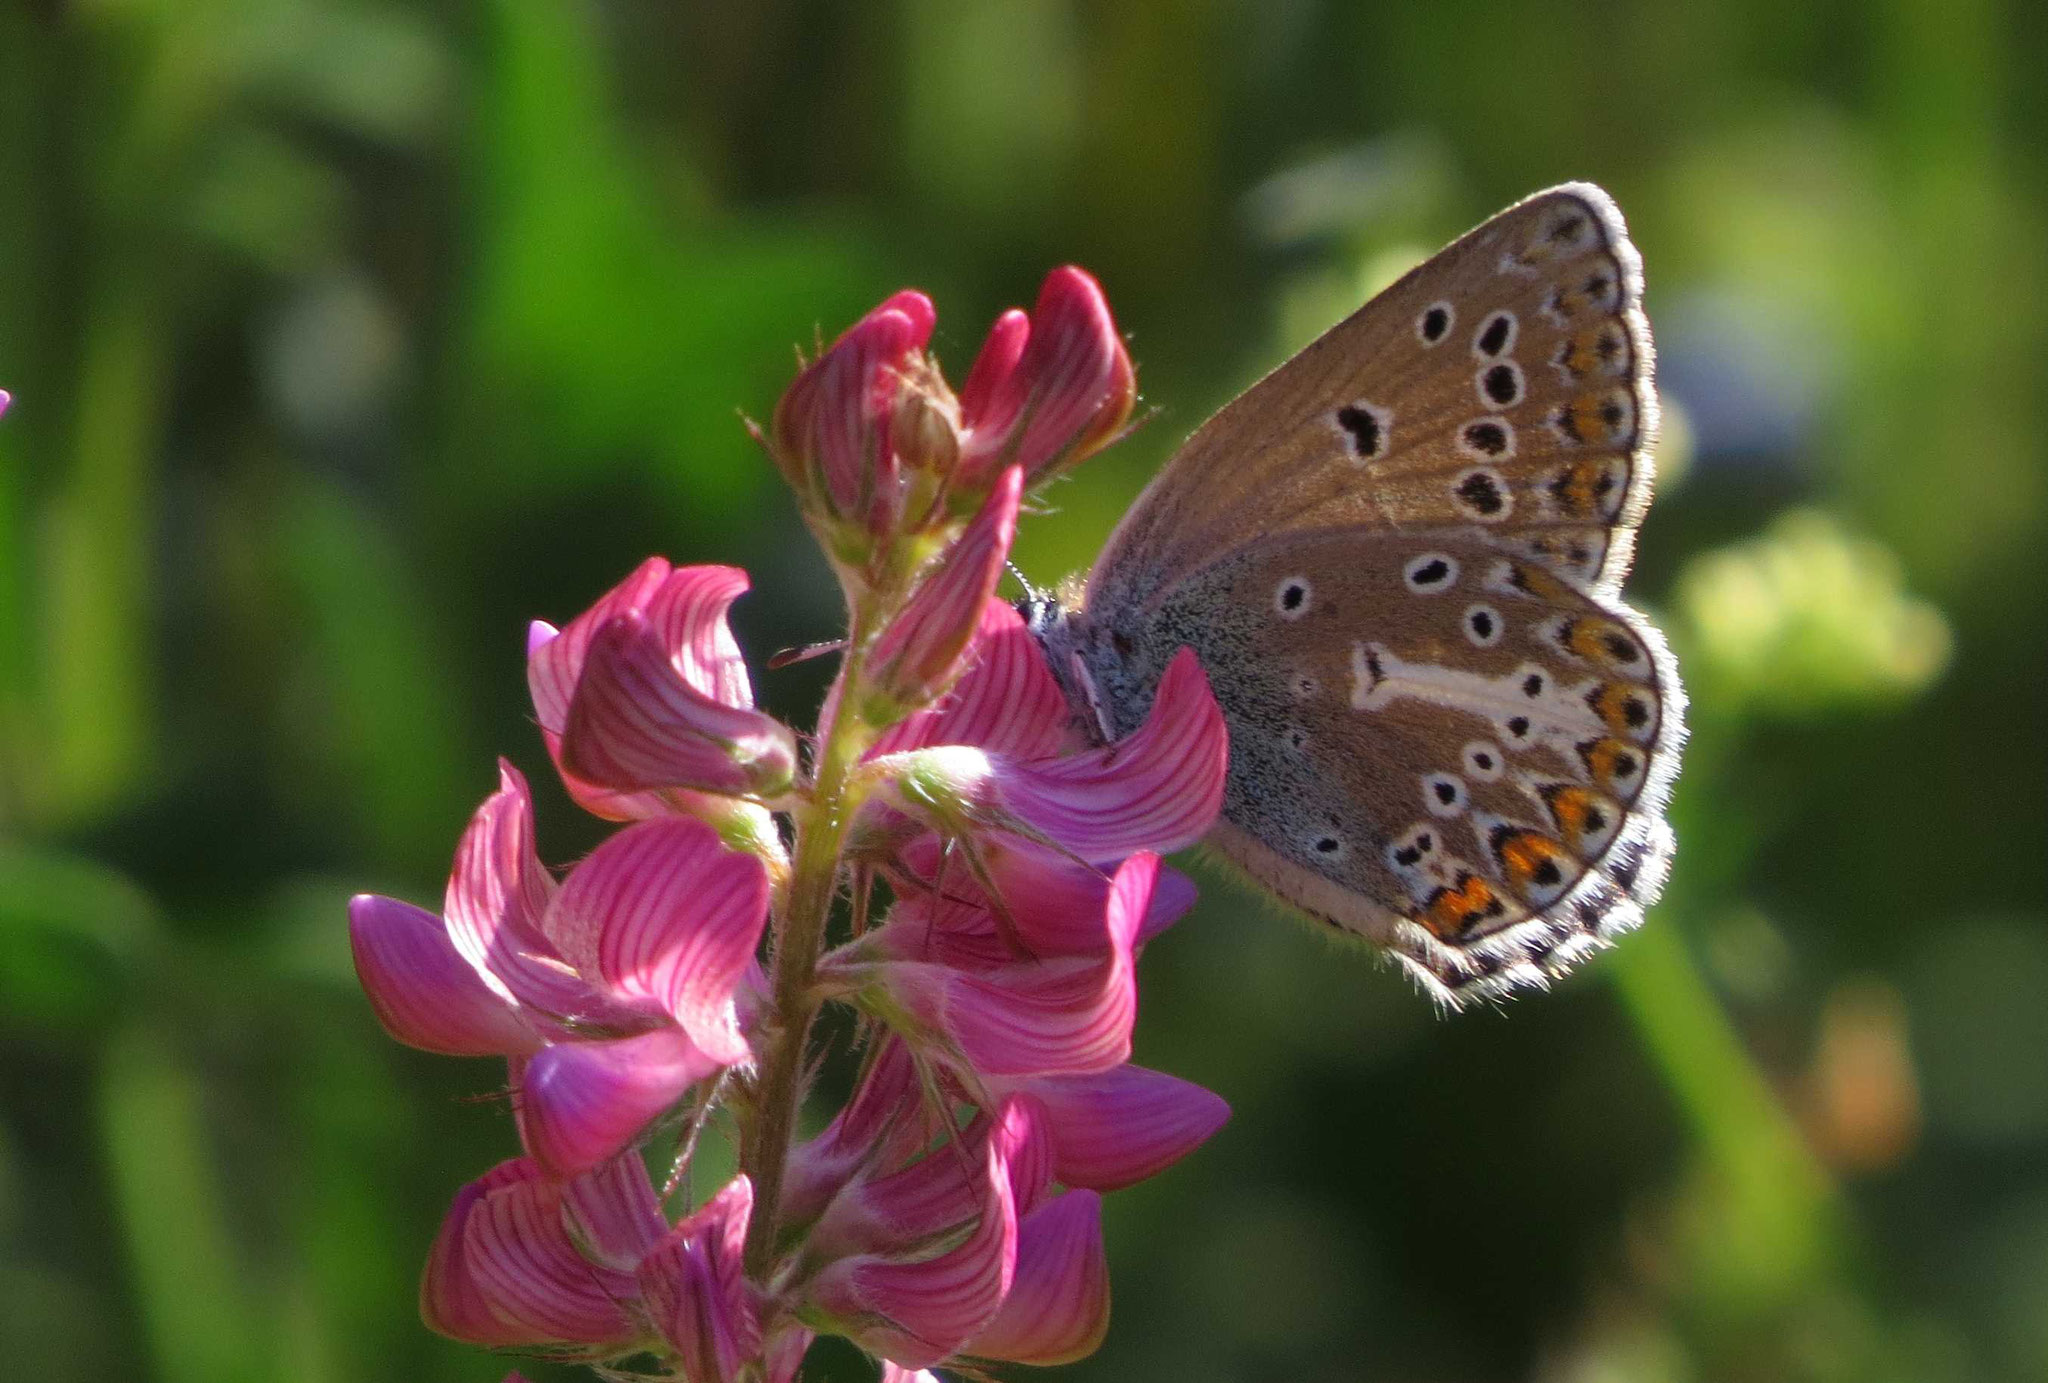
(1399,557)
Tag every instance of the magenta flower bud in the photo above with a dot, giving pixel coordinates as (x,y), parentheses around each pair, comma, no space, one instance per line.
(833,433)
(1049,390)
(920,653)
(5,400)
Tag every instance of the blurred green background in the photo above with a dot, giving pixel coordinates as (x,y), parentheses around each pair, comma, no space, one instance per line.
(348,336)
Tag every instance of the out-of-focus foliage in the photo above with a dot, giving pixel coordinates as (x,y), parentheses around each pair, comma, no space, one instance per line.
(347,335)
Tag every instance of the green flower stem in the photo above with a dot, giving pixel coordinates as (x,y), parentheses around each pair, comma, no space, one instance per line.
(822,822)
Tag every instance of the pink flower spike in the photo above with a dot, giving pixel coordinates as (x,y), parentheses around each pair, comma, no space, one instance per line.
(696,1293)
(583,1102)
(527,1270)
(1067,393)
(6,399)
(1058,1307)
(1159,788)
(422,990)
(1115,1128)
(919,654)
(1035,1017)
(668,918)
(1006,701)
(635,724)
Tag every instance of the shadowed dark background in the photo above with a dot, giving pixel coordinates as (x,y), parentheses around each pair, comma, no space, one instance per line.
(348,336)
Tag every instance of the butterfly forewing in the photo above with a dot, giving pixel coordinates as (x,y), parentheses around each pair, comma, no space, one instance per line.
(1503,384)
(1398,557)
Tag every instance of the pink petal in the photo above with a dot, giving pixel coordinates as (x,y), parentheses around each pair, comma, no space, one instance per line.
(636,723)
(882,1124)
(451,1303)
(1159,788)
(992,396)
(696,1292)
(527,1270)
(1058,1307)
(613,1214)
(496,896)
(919,653)
(1114,1128)
(785,1353)
(583,1102)
(1036,1017)
(6,399)
(896,1373)
(553,665)
(1007,701)
(423,992)
(1056,903)
(667,916)
(917,1312)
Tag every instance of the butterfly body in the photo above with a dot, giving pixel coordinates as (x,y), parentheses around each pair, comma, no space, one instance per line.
(1398,558)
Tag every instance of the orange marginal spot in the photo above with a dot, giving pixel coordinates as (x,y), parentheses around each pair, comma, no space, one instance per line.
(1538,583)
(1624,709)
(1592,349)
(1533,861)
(1451,912)
(1605,642)
(1580,814)
(1611,762)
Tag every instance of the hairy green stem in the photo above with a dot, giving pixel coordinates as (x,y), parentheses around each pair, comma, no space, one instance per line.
(822,824)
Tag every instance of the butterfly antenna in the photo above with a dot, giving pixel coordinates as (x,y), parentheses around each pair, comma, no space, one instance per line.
(1031,592)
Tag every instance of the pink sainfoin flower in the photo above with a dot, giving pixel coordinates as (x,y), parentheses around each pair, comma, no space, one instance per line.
(950,1213)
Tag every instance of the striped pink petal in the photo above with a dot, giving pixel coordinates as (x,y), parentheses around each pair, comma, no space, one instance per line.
(1112,1129)
(613,1214)
(1036,1016)
(635,723)
(884,1123)
(451,1303)
(696,1293)
(527,1270)
(584,1102)
(1160,788)
(1006,701)
(920,652)
(917,1311)
(422,990)
(668,918)
(1055,903)
(496,896)
(1065,394)
(1058,1307)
